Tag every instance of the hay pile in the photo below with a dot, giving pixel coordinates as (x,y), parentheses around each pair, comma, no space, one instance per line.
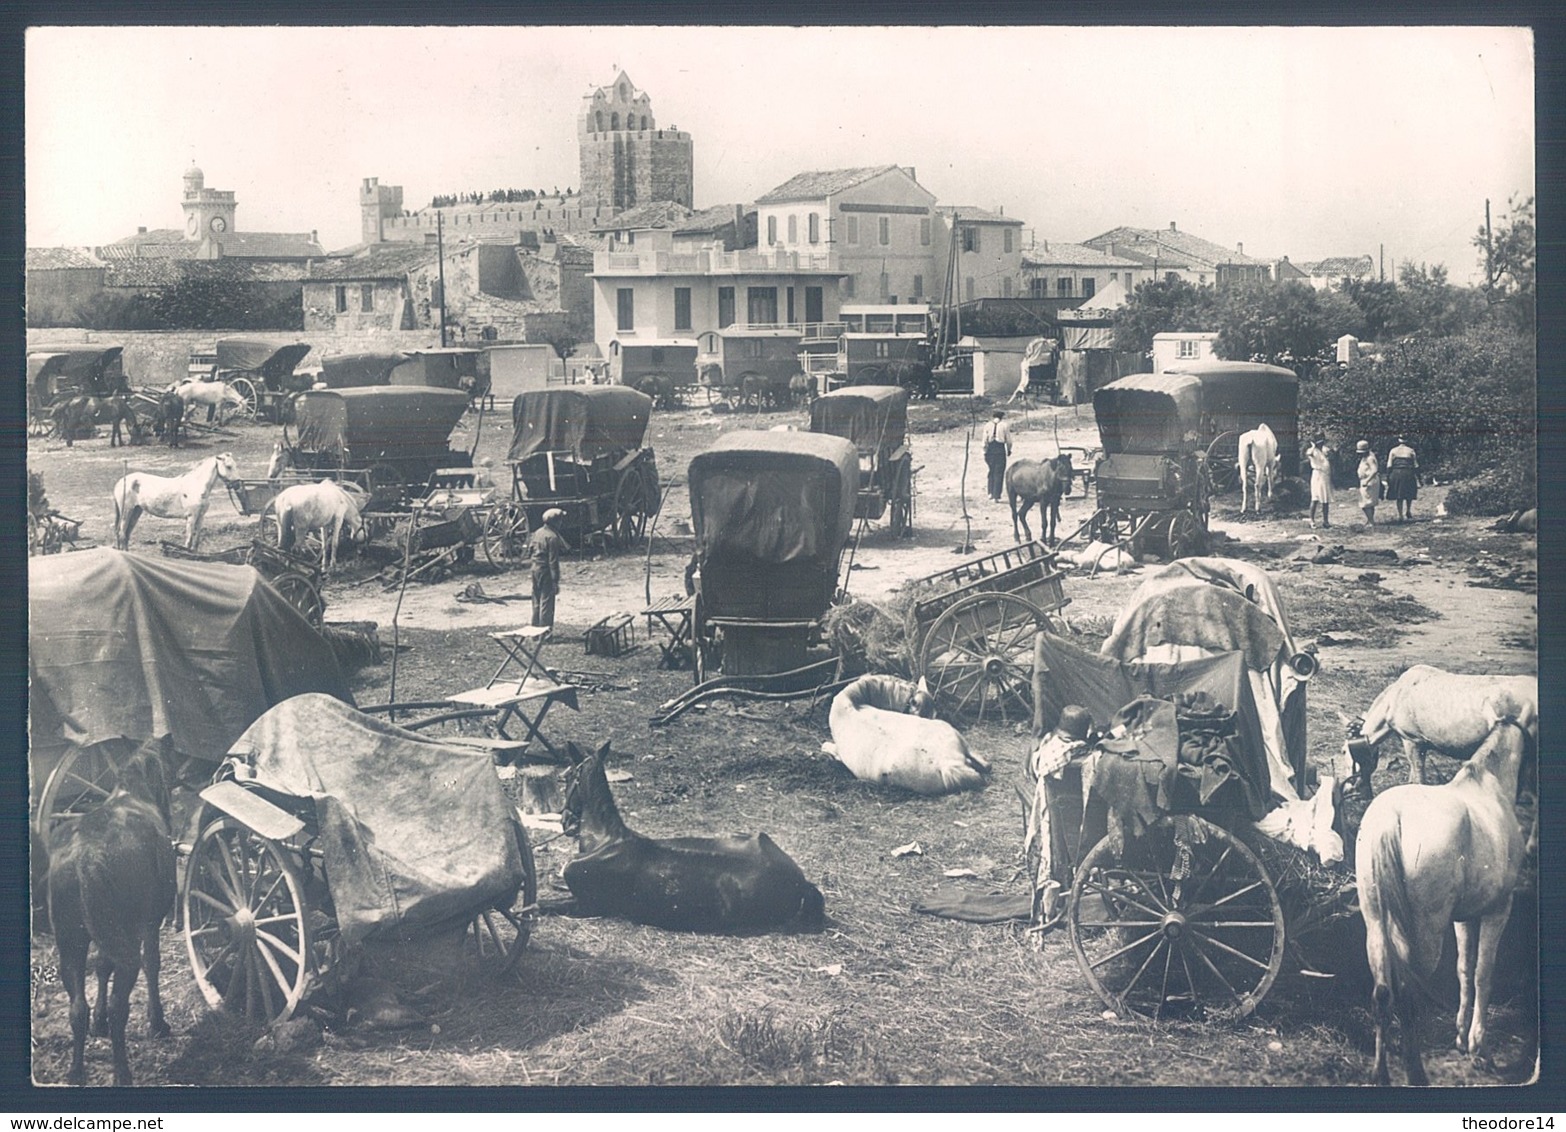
(873,636)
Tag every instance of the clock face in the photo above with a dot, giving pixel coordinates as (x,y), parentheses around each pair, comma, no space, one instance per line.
(218,224)
(192,226)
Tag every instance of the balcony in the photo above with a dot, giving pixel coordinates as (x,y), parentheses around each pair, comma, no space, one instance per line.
(650,263)
(713,261)
(773,260)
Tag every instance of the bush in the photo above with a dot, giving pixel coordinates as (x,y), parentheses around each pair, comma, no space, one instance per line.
(1513,486)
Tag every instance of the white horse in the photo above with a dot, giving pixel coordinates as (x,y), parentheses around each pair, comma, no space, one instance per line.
(1428,856)
(1258,457)
(279,461)
(326,507)
(1431,709)
(214,394)
(179,497)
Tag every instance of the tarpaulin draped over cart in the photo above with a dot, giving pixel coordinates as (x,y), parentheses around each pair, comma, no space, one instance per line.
(272,362)
(395,422)
(586,421)
(874,417)
(126,646)
(415,834)
(772,512)
(355,371)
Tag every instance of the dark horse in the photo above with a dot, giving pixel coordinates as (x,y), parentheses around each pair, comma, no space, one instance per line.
(171,418)
(705,884)
(75,416)
(112,882)
(1042,482)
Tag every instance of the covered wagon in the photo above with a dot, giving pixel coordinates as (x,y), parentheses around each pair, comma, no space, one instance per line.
(387,439)
(874,418)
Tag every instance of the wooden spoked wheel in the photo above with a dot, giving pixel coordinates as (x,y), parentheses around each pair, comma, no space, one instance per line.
(631,507)
(1185,536)
(978,656)
(301,593)
(1168,925)
(496,937)
(1223,454)
(270,532)
(247,393)
(900,522)
(81,781)
(503,540)
(247,923)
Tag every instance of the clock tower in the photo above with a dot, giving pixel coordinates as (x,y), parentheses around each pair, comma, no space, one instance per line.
(208,212)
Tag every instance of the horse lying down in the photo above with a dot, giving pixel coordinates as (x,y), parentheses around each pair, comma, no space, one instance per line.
(704,884)
(1429,856)
(881,732)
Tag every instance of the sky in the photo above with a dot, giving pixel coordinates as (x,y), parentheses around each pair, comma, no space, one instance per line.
(1304,142)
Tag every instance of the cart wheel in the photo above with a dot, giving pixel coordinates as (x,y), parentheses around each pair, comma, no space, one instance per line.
(301,593)
(630,508)
(1223,454)
(869,375)
(496,937)
(978,656)
(269,532)
(1164,925)
(504,537)
(1185,535)
(247,923)
(901,519)
(247,391)
(81,781)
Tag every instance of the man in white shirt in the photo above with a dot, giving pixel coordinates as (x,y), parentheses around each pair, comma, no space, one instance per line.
(997,449)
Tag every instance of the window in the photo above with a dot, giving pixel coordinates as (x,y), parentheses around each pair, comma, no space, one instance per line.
(814,227)
(1114,277)
(790,318)
(1089,288)
(1038,288)
(625,309)
(968,286)
(883,349)
(682,308)
(918,288)
(366,297)
(848,287)
(1063,287)
(725,307)
(342,300)
(1006,239)
(793,229)
(813,304)
(970,239)
(772,230)
(1006,287)
(1187,348)
(614,120)
(761,306)
(598,120)
(852,224)
(750,349)
(644,121)
(924,231)
(886,287)
(886,230)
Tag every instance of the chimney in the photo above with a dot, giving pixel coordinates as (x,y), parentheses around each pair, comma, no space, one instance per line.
(141,230)
(909,169)
(314,239)
(1239,249)
(1172,227)
(739,225)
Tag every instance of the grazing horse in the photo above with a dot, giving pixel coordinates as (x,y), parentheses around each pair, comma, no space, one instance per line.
(704,884)
(180,497)
(215,395)
(1042,482)
(112,882)
(1428,856)
(326,507)
(1259,458)
(881,732)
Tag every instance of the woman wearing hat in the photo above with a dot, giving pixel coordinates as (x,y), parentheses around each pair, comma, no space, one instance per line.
(1320,461)
(545,545)
(1403,479)
(1369,481)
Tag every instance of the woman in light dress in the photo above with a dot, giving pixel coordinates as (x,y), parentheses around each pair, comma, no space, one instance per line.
(1369,481)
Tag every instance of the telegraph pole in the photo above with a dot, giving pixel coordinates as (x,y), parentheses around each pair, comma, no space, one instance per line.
(1489,252)
(440,248)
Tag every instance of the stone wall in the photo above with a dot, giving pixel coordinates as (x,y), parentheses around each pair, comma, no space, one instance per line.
(560,214)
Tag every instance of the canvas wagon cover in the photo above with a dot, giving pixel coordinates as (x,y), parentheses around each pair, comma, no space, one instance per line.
(125,645)
(445,369)
(72,363)
(1149,413)
(250,355)
(415,834)
(586,421)
(874,417)
(775,497)
(395,421)
(353,371)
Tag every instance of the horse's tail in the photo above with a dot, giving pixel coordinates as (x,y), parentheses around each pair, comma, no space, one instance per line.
(1395,917)
(285,526)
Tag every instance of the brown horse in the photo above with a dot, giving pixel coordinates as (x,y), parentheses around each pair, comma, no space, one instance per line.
(1042,482)
(704,884)
(112,882)
(78,414)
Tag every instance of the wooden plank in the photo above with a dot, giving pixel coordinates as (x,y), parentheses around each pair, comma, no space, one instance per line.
(252,810)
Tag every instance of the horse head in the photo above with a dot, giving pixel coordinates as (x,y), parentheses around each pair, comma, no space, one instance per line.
(586,789)
(225,465)
(921,702)
(274,466)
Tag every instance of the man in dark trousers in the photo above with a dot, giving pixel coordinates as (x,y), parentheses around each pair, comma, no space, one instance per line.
(997,449)
(545,545)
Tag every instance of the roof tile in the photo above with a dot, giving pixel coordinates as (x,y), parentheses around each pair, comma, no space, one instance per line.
(820,184)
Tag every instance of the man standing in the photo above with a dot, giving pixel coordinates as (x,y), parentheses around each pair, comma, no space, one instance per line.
(545,545)
(1320,462)
(997,449)
(1403,479)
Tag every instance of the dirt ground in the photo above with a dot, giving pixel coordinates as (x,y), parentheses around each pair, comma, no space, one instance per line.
(884,995)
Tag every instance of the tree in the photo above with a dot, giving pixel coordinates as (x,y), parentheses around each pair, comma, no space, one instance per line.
(1377,302)
(1283,324)
(1508,253)
(1428,305)
(1171,306)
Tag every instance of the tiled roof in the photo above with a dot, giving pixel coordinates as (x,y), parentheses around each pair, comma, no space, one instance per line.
(706,220)
(60,259)
(657,214)
(270,245)
(1335,267)
(155,236)
(158,271)
(389,261)
(1195,250)
(821,184)
(977,215)
(1057,253)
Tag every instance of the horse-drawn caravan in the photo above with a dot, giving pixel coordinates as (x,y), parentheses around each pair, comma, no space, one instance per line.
(56,376)
(885,345)
(874,418)
(261,373)
(459,368)
(358,371)
(1235,398)
(754,366)
(658,367)
(772,513)
(580,449)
